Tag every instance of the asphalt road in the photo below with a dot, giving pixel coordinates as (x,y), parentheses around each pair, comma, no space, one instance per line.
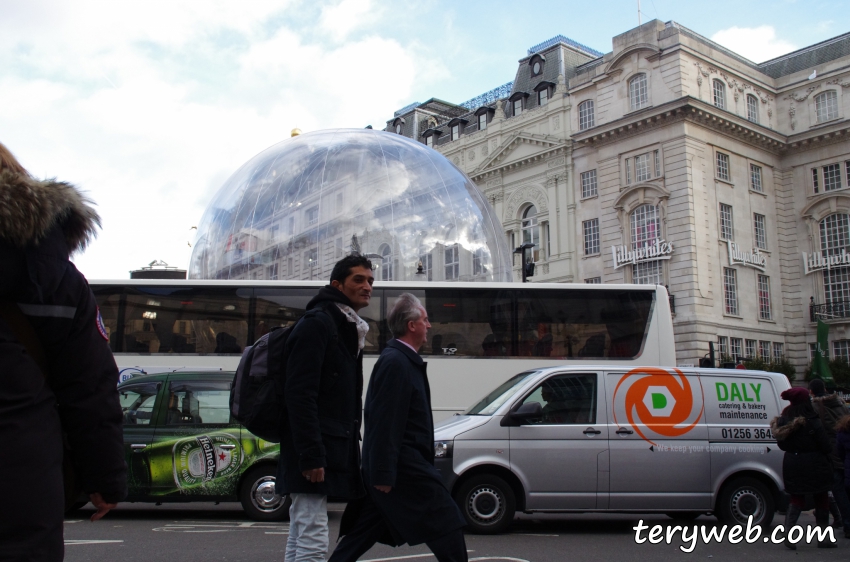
(203,532)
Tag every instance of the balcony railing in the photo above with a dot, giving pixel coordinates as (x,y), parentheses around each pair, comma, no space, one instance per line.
(833,310)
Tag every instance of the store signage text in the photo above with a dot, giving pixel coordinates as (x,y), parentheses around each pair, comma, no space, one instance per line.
(659,250)
(753,258)
(819,262)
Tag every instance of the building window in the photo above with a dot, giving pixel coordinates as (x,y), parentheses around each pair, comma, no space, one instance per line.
(588,184)
(427,263)
(841,348)
(764,297)
(815,179)
(290,267)
(727,226)
(642,172)
(386,263)
(657,163)
(455,132)
(339,202)
(813,347)
(764,350)
(755,178)
(737,344)
(723,166)
(273,233)
(517,107)
(760,231)
(591,237)
(586,118)
(452,263)
(429,141)
(290,226)
(645,229)
(338,248)
(847,169)
(778,351)
(628,171)
(638,95)
(752,108)
(723,346)
(718,91)
(312,216)
(832,177)
(730,291)
(311,258)
(482,121)
(398,128)
(543,96)
(593,281)
(750,348)
(478,262)
(826,105)
(531,231)
(271,271)
(835,238)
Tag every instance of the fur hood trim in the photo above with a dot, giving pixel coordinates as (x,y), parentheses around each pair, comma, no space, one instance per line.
(829,400)
(29,209)
(782,432)
(843,425)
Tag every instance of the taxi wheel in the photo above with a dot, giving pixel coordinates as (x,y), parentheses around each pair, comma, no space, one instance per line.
(742,497)
(258,498)
(487,503)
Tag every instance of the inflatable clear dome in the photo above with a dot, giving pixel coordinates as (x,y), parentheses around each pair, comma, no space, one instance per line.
(296,208)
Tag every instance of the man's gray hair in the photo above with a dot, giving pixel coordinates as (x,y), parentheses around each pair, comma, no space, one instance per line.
(406,309)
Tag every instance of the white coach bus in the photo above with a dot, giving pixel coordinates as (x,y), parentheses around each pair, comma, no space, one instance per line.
(481,335)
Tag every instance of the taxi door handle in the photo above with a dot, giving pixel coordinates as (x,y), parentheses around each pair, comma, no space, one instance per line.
(227,447)
(624,431)
(591,431)
(137,447)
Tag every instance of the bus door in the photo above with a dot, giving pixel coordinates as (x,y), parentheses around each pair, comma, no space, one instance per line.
(560,455)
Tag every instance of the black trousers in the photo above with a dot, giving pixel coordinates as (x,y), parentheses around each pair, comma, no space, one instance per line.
(371,526)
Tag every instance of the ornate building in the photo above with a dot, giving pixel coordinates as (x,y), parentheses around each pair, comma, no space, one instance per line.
(673,160)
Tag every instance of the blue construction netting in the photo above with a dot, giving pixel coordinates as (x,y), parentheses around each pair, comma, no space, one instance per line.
(406,108)
(561,39)
(489,97)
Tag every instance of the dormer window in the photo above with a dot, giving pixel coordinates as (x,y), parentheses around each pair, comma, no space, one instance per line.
(484,114)
(398,128)
(517,101)
(429,141)
(518,106)
(456,126)
(455,132)
(430,135)
(536,63)
(543,90)
(482,121)
(398,125)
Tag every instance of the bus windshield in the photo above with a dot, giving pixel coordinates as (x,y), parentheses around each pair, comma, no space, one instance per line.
(494,400)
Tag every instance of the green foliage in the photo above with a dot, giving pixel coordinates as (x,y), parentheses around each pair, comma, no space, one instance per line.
(782,366)
(838,367)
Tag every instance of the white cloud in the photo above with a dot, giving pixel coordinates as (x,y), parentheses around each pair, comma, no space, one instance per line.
(755,43)
(149,106)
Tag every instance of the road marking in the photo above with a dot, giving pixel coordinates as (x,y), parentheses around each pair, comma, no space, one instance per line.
(220,528)
(277,532)
(534,535)
(405,557)
(87,541)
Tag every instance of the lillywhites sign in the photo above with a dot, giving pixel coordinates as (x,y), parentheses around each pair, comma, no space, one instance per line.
(818,262)
(753,258)
(659,250)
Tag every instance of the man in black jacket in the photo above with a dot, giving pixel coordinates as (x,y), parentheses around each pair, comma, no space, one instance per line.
(70,384)
(406,500)
(319,449)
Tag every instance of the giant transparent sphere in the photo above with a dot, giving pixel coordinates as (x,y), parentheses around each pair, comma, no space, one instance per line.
(298,207)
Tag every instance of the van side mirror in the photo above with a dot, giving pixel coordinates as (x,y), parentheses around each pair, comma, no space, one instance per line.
(528,410)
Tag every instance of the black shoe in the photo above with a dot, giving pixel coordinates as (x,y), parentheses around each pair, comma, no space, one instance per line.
(827,544)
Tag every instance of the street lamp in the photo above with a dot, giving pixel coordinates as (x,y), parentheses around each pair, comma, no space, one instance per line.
(527,268)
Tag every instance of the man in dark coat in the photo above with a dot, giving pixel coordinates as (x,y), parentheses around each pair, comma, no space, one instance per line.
(319,448)
(70,384)
(831,408)
(406,500)
(807,464)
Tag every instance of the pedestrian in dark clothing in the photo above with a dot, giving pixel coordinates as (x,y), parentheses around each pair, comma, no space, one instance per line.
(319,448)
(831,408)
(406,500)
(58,373)
(807,465)
(842,450)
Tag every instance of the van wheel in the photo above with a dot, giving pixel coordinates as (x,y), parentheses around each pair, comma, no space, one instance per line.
(487,503)
(258,498)
(742,497)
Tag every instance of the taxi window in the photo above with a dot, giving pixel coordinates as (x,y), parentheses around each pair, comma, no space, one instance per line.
(137,403)
(198,402)
(566,399)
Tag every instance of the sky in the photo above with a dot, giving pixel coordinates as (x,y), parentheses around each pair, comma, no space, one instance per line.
(148,107)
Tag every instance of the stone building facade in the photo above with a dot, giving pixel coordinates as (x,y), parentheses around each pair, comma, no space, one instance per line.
(673,160)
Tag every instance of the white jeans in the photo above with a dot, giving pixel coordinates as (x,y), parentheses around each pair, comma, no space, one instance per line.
(308,528)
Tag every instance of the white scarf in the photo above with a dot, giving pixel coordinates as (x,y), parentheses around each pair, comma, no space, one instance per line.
(362,326)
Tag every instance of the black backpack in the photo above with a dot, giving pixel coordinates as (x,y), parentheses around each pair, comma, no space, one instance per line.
(257,392)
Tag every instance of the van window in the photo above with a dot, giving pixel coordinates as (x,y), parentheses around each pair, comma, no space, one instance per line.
(566,399)
(504,392)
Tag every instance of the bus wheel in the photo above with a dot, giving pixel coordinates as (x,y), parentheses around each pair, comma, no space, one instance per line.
(743,497)
(487,503)
(258,498)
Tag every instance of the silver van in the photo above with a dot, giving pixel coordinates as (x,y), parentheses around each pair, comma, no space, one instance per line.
(684,442)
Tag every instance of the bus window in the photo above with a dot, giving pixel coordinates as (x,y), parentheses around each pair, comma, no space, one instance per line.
(108,299)
(282,307)
(467,323)
(575,323)
(186,320)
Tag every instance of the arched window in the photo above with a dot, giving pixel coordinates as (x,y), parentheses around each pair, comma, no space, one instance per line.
(752,108)
(718,93)
(531,231)
(386,263)
(638,94)
(835,238)
(826,105)
(645,229)
(586,118)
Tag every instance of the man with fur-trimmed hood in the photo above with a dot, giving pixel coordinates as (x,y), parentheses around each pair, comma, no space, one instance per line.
(831,408)
(58,373)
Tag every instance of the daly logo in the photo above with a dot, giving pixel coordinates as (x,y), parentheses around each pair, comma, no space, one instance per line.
(657,403)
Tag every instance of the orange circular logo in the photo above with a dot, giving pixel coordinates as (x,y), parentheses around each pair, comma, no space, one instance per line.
(661,400)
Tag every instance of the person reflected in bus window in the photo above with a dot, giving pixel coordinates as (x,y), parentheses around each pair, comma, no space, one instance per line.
(437,345)
(225,343)
(543,346)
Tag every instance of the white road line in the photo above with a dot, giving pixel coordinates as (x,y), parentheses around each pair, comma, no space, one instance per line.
(277,532)
(403,557)
(534,535)
(86,541)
